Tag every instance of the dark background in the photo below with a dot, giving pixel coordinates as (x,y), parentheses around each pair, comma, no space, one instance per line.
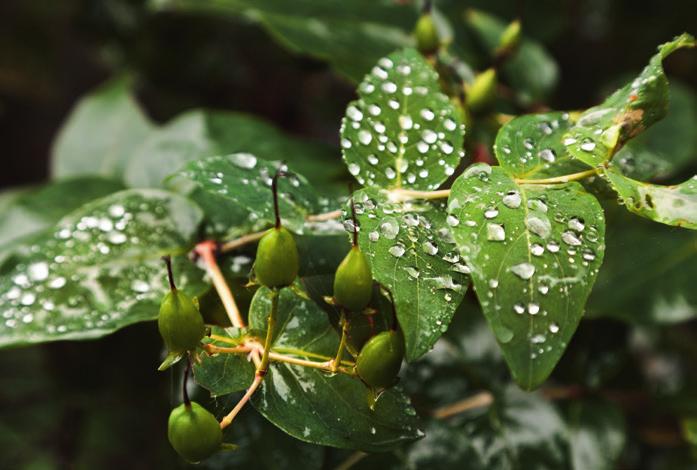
(101,404)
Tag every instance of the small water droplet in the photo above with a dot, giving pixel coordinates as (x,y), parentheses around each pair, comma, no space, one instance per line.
(523,270)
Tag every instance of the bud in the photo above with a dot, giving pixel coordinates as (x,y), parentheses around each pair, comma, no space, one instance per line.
(426,33)
(482,91)
(510,38)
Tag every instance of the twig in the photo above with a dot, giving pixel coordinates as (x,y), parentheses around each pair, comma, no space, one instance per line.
(324,217)
(352,460)
(480,400)
(240,242)
(227,420)
(207,251)
(560,179)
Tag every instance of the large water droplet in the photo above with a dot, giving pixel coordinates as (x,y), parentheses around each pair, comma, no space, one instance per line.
(523,270)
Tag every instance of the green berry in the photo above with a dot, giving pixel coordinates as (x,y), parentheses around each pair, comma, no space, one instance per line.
(180,323)
(353,283)
(194,432)
(426,33)
(277,262)
(380,359)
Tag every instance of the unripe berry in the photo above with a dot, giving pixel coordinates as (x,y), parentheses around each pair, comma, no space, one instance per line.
(180,323)
(194,432)
(277,261)
(380,359)
(353,283)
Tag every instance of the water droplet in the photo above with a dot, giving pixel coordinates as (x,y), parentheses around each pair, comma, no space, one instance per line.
(512,200)
(519,308)
(547,155)
(429,248)
(493,283)
(38,271)
(538,339)
(427,114)
(389,87)
(495,232)
(570,238)
(405,122)
(374,236)
(56,283)
(491,213)
(588,146)
(539,225)
(140,286)
(576,224)
(354,113)
(397,250)
(553,328)
(429,136)
(553,247)
(533,308)
(413,272)
(389,228)
(536,249)
(354,169)
(452,220)
(523,270)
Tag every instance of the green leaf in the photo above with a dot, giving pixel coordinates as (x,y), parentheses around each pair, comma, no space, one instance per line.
(670,205)
(603,129)
(203,133)
(668,146)
(99,269)
(402,131)
(101,133)
(412,253)
(648,273)
(530,146)
(534,252)
(596,435)
(221,374)
(317,407)
(520,430)
(237,190)
(27,212)
(351,36)
(530,70)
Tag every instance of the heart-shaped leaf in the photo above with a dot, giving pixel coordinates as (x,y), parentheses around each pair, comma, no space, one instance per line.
(413,254)
(315,406)
(101,133)
(603,129)
(534,252)
(670,205)
(99,269)
(402,131)
(235,192)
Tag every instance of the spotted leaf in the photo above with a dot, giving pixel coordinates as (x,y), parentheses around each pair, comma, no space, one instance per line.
(402,131)
(99,269)
(670,205)
(412,253)
(603,129)
(534,252)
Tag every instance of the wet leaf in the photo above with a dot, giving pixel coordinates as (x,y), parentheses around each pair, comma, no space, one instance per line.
(670,205)
(31,210)
(402,131)
(412,253)
(351,36)
(596,434)
(101,133)
(235,192)
(534,252)
(223,373)
(199,134)
(317,407)
(99,269)
(520,430)
(530,146)
(603,129)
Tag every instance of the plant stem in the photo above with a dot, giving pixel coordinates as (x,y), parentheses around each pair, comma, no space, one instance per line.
(207,251)
(399,195)
(342,343)
(324,217)
(185,393)
(479,400)
(352,460)
(227,420)
(243,240)
(264,366)
(170,276)
(560,179)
